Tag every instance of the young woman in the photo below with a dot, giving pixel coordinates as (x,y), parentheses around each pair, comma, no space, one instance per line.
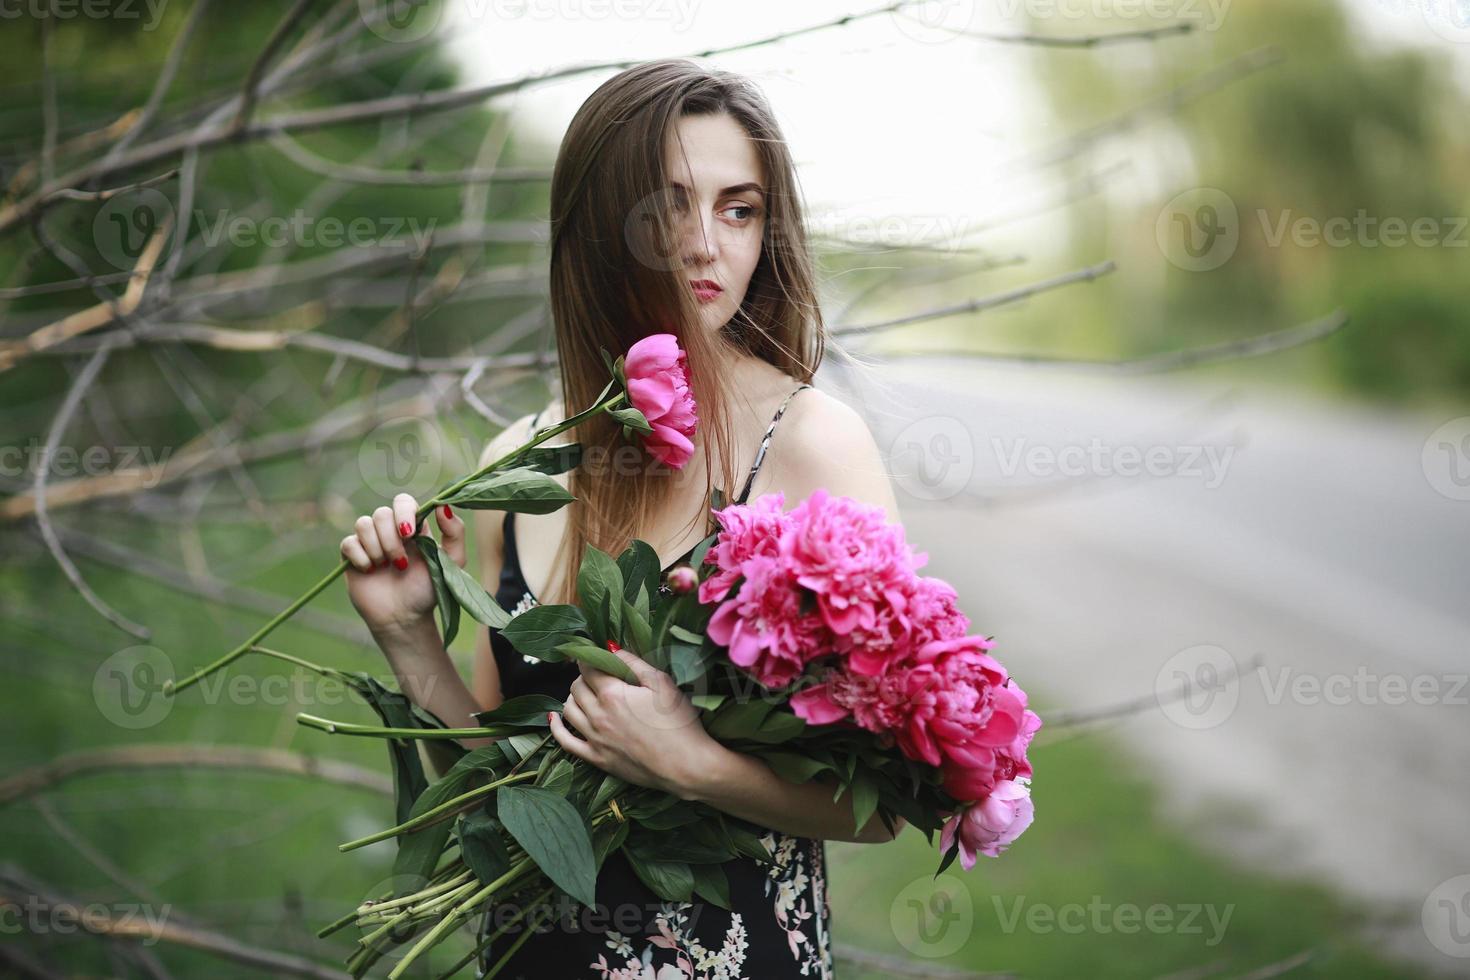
(674,208)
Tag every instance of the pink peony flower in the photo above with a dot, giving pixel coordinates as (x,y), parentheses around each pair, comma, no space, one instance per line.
(989,825)
(763,626)
(852,559)
(746,530)
(657,372)
(974,778)
(965,703)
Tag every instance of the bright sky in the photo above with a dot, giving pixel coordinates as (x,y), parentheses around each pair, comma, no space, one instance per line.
(884,117)
(888,117)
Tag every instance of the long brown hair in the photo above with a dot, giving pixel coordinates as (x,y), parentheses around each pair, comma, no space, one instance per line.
(617,276)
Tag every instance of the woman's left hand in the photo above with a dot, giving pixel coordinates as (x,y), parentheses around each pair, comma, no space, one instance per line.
(648,735)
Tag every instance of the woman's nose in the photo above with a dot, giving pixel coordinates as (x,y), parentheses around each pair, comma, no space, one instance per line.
(699,244)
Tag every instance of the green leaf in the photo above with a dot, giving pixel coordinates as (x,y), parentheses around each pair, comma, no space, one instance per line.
(559,779)
(670,880)
(779,727)
(397,711)
(419,851)
(524,709)
(688,636)
(595,656)
(551,459)
(518,747)
(631,418)
(636,631)
(684,848)
(482,843)
(640,568)
(599,580)
(553,835)
(688,664)
(709,702)
(608,837)
(793,766)
(444,598)
(747,842)
(679,815)
(611,786)
(864,801)
(538,631)
(471,595)
(711,884)
(738,719)
(520,489)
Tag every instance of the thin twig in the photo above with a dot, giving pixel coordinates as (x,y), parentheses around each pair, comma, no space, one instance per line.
(59,426)
(1302,333)
(257,69)
(88,762)
(984,302)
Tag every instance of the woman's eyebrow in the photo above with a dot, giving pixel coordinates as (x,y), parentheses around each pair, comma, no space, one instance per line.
(733,189)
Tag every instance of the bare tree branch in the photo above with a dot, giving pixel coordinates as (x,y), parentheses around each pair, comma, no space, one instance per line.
(89,762)
(985,302)
(1303,333)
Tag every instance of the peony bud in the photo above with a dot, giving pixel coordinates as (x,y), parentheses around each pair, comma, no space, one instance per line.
(682,579)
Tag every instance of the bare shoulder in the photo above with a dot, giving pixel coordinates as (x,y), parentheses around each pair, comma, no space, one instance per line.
(825,442)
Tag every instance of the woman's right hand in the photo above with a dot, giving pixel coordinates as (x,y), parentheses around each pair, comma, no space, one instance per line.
(387,577)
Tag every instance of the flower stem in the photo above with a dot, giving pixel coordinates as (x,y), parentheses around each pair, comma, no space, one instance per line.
(378,731)
(455,916)
(171,687)
(431,816)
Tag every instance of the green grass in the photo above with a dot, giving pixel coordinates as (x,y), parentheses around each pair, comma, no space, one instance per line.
(1098,843)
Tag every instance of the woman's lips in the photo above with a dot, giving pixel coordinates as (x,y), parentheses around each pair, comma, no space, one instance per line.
(705,289)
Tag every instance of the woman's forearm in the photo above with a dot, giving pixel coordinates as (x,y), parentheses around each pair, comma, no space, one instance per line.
(428,677)
(744,786)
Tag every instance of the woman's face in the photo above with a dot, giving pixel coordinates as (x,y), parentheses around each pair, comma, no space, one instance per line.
(720,206)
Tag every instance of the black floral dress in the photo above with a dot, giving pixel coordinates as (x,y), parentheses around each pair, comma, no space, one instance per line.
(778,925)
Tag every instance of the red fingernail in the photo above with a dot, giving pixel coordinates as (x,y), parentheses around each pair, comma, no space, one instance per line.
(405,530)
(448,514)
(548,716)
(612,645)
(401,562)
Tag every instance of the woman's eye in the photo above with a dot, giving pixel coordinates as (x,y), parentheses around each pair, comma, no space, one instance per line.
(748,208)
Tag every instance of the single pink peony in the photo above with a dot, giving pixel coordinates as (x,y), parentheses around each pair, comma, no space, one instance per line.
(975,776)
(965,703)
(763,626)
(657,372)
(852,559)
(746,530)
(989,825)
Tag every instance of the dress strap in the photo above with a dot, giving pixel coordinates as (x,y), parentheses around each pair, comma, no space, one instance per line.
(760,455)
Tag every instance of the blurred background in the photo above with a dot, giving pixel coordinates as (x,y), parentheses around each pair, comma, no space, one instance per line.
(1158,309)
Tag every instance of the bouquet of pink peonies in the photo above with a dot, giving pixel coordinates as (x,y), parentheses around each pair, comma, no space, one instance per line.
(825,604)
(824,607)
